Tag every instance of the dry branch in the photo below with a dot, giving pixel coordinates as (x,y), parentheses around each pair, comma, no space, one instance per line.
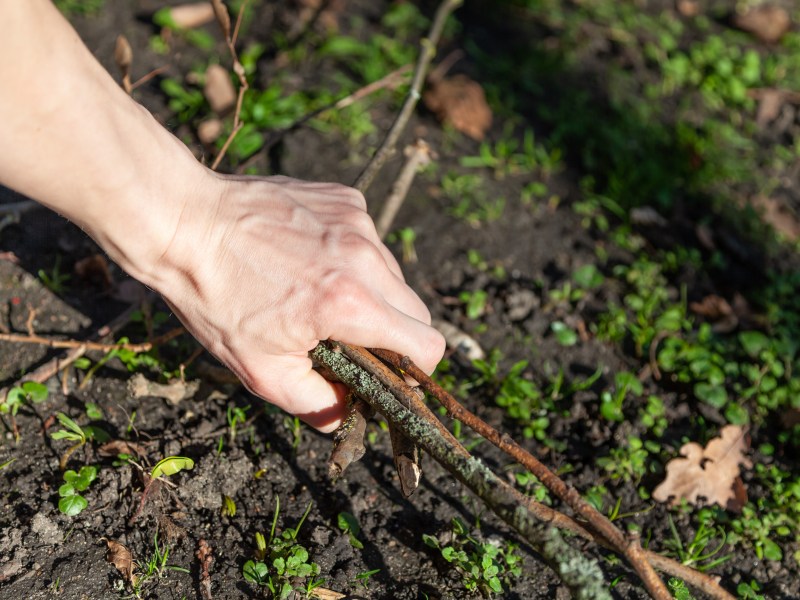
(418,155)
(426,54)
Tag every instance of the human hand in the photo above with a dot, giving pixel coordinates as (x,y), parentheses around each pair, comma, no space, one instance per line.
(260,270)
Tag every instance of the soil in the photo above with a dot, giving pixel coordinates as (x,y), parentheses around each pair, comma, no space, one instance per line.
(44,554)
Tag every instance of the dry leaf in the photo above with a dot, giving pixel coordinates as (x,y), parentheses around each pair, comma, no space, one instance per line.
(325,594)
(94,269)
(119,556)
(191,15)
(717,310)
(779,216)
(117,447)
(647,216)
(123,56)
(767,22)
(711,473)
(173,392)
(459,101)
(209,130)
(223,18)
(688,8)
(218,89)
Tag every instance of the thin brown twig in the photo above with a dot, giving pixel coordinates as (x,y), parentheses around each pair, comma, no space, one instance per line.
(426,54)
(86,345)
(596,520)
(148,76)
(417,154)
(230,39)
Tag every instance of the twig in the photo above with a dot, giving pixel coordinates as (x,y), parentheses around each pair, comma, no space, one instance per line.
(391,80)
(148,76)
(585,581)
(19,338)
(53,366)
(417,154)
(568,494)
(224,20)
(426,54)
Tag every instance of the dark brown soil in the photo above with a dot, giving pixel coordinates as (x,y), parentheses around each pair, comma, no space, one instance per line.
(44,554)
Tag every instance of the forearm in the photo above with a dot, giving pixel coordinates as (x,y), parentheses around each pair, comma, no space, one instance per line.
(73,140)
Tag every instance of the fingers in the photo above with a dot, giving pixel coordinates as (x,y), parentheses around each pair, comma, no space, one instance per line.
(290,383)
(384,326)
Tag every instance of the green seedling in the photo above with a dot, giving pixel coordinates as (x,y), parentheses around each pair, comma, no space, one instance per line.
(75,433)
(362,579)
(611,401)
(349,525)
(28,392)
(235,416)
(197,37)
(228,507)
(631,462)
(749,591)
(166,467)
(484,566)
(295,427)
(149,572)
(71,502)
(7,463)
(679,589)
(697,553)
(565,335)
(281,562)
(474,303)
(54,280)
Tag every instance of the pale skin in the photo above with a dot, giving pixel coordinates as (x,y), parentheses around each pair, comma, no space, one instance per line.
(258,269)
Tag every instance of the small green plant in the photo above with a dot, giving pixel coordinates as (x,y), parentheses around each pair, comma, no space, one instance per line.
(749,591)
(17,396)
(75,433)
(484,566)
(281,561)
(362,579)
(679,589)
(565,335)
(80,7)
(349,524)
(235,415)
(630,462)
(228,506)
(506,157)
(698,553)
(474,303)
(71,502)
(611,401)
(54,280)
(149,572)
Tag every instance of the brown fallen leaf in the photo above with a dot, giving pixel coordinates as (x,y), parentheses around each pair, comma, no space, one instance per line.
(767,22)
(778,215)
(117,447)
(218,89)
(173,392)
(459,101)
(192,14)
(119,556)
(326,594)
(718,311)
(712,473)
(94,269)
(123,56)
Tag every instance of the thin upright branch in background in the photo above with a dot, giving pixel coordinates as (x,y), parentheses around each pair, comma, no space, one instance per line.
(418,155)
(224,20)
(426,54)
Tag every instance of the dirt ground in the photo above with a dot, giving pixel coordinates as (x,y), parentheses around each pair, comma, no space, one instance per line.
(45,554)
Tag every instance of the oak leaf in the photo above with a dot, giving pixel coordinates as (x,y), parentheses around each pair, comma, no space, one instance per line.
(711,473)
(119,556)
(459,101)
(767,22)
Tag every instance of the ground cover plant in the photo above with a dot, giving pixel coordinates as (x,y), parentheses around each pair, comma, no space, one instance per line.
(615,248)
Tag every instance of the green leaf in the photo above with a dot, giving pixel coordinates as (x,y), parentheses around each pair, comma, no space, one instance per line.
(565,335)
(72,505)
(714,395)
(96,433)
(772,551)
(66,490)
(93,411)
(36,392)
(588,277)
(71,425)
(348,523)
(753,342)
(255,572)
(82,363)
(495,584)
(171,465)
(66,435)
(431,541)
(280,565)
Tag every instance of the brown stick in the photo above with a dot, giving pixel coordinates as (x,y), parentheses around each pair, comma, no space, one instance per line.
(18,338)
(417,154)
(426,54)
(597,521)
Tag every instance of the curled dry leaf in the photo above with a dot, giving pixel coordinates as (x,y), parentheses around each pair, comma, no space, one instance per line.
(173,392)
(717,310)
(94,269)
(218,89)
(767,22)
(209,130)
(192,14)
(123,54)
(711,473)
(223,18)
(459,101)
(117,447)
(778,215)
(119,556)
